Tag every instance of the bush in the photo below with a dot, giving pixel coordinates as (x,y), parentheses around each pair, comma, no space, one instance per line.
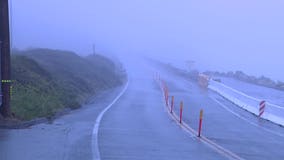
(47,81)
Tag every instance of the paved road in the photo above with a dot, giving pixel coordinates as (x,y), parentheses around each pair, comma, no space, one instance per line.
(138,126)
(226,124)
(69,137)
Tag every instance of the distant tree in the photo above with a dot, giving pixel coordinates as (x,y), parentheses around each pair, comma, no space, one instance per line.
(241,76)
(265,81)
(230,74)
(280,85)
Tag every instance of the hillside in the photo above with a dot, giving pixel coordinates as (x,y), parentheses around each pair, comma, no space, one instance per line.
(49,80)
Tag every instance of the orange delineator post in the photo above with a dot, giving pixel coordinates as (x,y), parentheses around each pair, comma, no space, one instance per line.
(164,89)
(180,112)
(167,96)
(172,104)
(200,122)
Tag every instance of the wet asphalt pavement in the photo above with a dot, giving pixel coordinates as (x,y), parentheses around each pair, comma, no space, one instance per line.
(138,127)
(226,124)
(67,138)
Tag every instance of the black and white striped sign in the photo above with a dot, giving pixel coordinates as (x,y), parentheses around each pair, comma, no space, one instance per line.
(261,108)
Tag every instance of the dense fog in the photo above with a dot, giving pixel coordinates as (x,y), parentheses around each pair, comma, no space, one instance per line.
(217,35)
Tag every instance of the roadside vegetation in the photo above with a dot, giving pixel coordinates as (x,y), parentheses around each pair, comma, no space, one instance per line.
(48,81)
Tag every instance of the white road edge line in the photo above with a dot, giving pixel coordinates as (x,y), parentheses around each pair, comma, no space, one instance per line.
(95,144)
(241,117)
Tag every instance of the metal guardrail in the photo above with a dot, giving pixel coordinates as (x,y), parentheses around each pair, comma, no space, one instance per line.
(274,113)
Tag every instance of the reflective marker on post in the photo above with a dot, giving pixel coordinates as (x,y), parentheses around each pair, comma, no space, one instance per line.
(200,122)
(180,112)
(261,108)
(172,104)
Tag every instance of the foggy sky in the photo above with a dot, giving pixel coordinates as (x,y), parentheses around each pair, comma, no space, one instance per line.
(222,35)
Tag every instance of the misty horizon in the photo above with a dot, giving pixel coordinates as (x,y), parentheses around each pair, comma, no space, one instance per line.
(220,35)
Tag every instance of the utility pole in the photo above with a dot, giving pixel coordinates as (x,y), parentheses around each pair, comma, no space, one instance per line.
(5,58)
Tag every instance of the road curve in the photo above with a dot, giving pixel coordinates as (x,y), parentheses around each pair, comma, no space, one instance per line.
(68,138)
(138,127)
(225,123)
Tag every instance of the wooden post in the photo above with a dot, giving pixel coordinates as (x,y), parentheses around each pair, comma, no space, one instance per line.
(5,58)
